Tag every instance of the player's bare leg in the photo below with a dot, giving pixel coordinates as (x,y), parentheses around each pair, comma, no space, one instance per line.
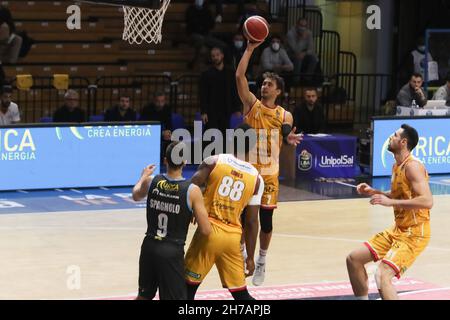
(383,277)
(356,262)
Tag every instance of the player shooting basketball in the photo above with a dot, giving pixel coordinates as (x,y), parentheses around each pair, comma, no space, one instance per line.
(269,120)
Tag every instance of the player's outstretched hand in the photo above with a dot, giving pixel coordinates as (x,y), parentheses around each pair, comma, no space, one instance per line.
(365,189)
(294,139)
(148,171)
(249,267)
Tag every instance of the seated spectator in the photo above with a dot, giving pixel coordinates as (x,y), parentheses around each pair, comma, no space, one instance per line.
(219,8)
(70,111)
(121,112)
(199,23)
(412,91)
(9,111)
(309,117)
(443,93)
(275,59)
(334,94)
(300,44)
(10,42)
(237,50)
(159,110)
(218,93)
(250,10)
(417,57)
(414,62)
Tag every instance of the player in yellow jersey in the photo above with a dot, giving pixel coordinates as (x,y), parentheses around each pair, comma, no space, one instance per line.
(273,125)
(231,185)
(398,246)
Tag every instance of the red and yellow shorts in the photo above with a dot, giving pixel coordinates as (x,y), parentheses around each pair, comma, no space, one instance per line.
(399,248)
(221,248)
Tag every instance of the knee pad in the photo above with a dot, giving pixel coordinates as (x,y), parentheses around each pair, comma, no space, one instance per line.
(265,220)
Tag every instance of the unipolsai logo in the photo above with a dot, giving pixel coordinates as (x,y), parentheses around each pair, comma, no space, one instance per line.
(305,160)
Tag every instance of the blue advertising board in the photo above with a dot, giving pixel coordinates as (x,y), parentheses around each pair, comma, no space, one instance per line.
(433,148)
(329,156)
(38,157)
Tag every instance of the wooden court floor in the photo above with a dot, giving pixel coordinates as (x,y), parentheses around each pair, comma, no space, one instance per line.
(41,253)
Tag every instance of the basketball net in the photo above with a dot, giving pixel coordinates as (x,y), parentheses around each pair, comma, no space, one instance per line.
(142,24)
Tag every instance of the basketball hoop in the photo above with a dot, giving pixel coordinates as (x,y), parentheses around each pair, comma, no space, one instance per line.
(143,24)
(142,18)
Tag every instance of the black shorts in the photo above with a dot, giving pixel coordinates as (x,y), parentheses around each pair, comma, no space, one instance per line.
(161,265)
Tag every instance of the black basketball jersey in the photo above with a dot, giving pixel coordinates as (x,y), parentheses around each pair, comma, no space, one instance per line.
(168,213)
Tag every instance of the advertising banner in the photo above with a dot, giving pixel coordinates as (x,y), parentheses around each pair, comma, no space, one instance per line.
(433,148)
(76,156)
(328,156)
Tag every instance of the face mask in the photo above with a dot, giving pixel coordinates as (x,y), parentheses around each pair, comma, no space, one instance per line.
(301,29)
(199,3)
(238,44)
(275,46)
(421,48)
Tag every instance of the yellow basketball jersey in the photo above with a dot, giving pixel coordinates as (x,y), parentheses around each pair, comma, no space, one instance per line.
(401,189)
(267,122)
(229,188)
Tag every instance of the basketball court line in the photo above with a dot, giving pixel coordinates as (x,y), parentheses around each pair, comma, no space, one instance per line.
(340,290)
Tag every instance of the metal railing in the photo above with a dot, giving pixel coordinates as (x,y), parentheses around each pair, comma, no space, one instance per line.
(140,89)
(42,99)
(356,98)
(348,98)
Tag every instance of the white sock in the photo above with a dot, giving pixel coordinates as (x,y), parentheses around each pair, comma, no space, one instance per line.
(362,298)
(262,256)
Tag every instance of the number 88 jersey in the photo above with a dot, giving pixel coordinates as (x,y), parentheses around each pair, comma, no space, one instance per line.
(229,188)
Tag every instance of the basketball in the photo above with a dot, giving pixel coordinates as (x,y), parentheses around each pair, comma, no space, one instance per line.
(255,29)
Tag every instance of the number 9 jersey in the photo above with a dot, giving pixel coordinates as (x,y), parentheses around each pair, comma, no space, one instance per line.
(229,189)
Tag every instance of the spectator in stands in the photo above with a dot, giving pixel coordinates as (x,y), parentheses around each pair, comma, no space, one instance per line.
(199,23)
(443,93)
(237,50)
(10,42)
(219,8)
(412,92)
(300,44)
(251,10)
(9,111)
(218,93)
(159,110)
(275,58)
(416,63)
(70,111)
(122,112)
(309,116)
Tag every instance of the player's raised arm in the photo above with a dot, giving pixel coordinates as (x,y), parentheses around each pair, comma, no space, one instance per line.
(140,190)
(247,98)
(200,213)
